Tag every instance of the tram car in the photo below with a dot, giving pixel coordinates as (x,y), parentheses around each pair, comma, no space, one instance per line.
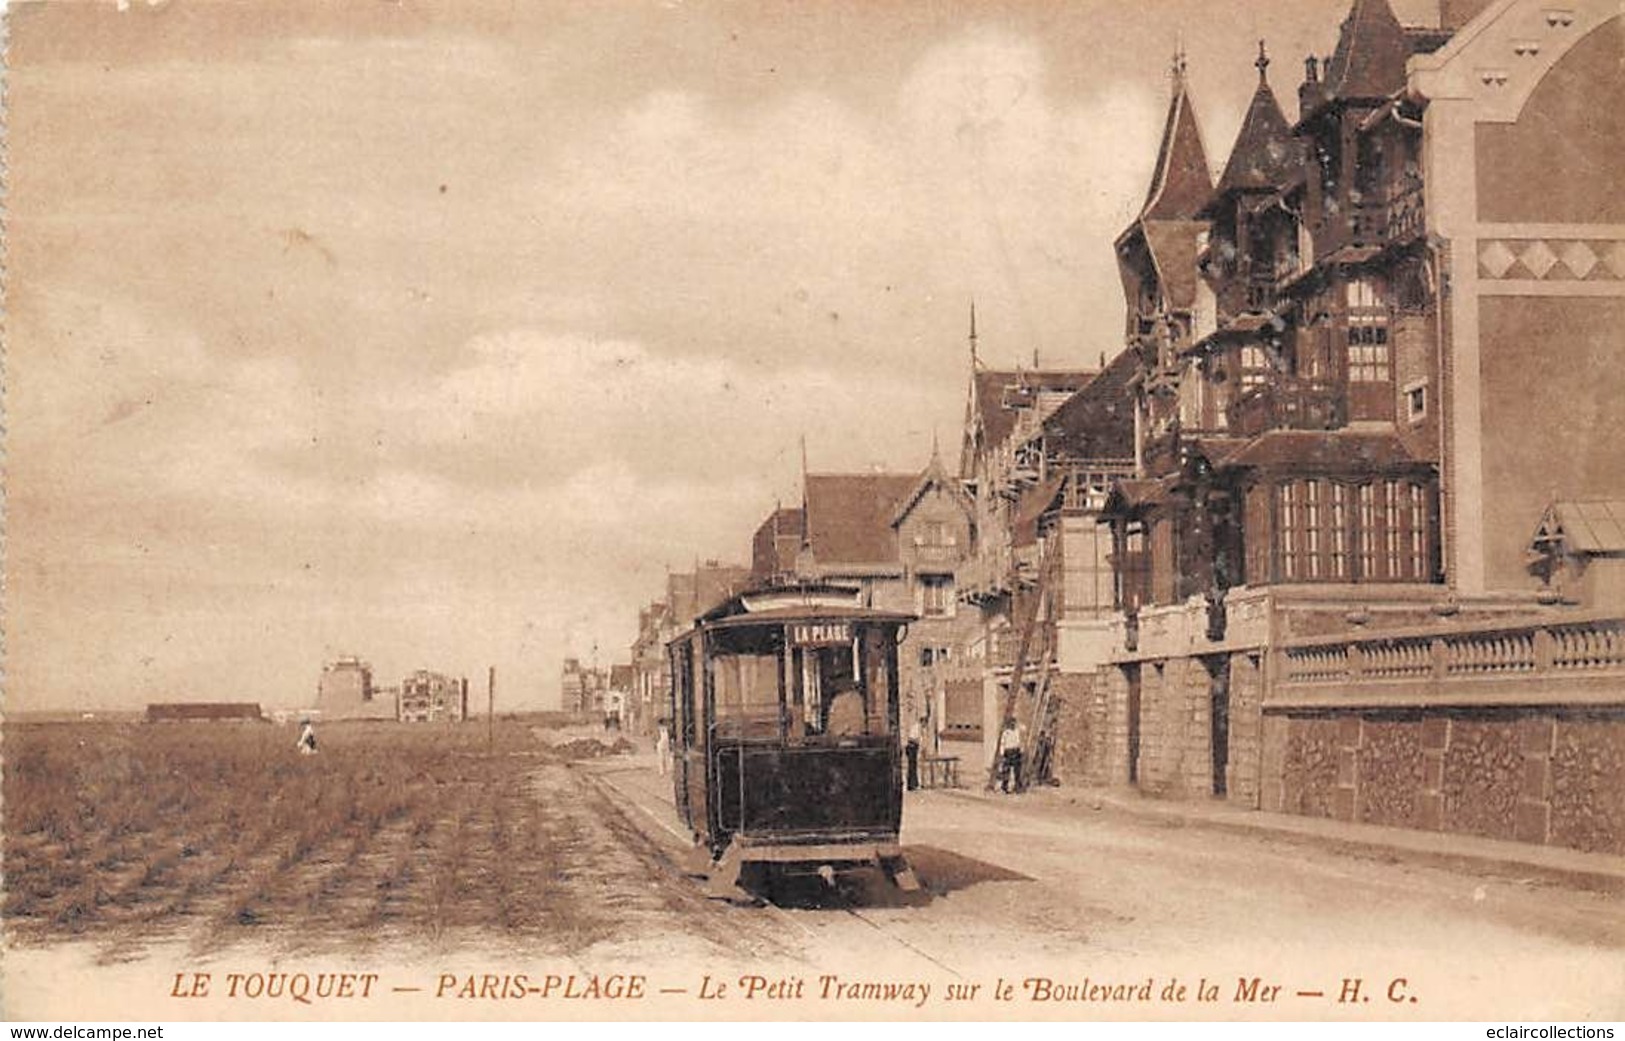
(785,751)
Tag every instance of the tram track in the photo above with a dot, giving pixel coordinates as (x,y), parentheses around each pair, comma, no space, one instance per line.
(677,843)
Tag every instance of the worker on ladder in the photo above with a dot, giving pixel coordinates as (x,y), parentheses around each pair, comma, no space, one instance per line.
(1010,755)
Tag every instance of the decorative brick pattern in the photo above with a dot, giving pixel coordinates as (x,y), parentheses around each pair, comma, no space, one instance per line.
(1309,767)
(1588,785)
(1483,776)
(1390,772)
(1552,260)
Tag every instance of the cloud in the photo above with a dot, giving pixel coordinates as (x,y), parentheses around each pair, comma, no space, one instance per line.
(341,368)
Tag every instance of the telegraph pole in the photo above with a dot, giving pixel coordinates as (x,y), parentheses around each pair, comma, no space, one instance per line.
(490,708)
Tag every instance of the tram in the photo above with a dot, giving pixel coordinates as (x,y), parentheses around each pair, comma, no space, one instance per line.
(785,753)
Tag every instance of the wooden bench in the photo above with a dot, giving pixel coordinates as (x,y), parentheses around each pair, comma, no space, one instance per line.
(939,771)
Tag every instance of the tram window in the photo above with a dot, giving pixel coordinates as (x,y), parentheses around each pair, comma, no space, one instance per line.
(682,663)
(878,655)
(824,684)
(745,678)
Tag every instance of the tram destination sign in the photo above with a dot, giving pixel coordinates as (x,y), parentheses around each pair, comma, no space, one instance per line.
(820,634)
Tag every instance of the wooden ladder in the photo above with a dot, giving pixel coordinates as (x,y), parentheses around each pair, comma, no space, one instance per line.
(1038,620)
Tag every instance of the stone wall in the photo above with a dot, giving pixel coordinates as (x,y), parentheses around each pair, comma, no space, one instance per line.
(1541,776)
(1483,774)
(1310,775)
(1246,730)
(1582,782)
(1111,687)
(1080,730)
(1176,728)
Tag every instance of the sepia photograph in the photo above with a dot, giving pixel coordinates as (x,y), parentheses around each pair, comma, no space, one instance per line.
(940,511)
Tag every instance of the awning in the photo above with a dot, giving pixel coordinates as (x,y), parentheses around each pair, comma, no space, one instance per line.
(1034,504)
(1132,496)
(1591,527)
(1333,450)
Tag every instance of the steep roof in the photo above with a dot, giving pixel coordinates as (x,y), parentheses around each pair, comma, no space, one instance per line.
(1098,421)
(1172,245)
(1337,451)
(934,475)
(1180,182)
(1372,48)
(1000,394)
(1034,503)
(1265,150)
(849,516)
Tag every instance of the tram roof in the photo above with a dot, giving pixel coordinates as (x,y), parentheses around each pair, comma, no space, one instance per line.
(810,613)
(811,601)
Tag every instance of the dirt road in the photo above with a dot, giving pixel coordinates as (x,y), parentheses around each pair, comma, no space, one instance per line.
(540,866)
(1044,891)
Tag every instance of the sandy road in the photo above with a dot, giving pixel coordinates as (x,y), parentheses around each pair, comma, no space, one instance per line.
(1032,891)
(574,867)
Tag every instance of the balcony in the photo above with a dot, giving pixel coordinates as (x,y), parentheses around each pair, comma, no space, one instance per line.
(1405,219)
(1253,294)
(1260,294)
(1288,403)
(1579,661)
(984,577)
(1398,218)
(1087,487)
(941,557)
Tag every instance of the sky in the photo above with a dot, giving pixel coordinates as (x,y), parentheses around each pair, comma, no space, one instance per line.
(437,333)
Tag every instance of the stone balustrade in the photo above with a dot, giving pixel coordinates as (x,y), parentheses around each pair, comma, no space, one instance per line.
(1578,660)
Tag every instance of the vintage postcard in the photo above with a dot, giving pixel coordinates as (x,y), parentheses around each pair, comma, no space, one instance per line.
(986,510)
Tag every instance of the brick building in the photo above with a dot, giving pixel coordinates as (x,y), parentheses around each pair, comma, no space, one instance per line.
(1039,452)
(898,539)
(1377,403)
(688,595)
(649,676)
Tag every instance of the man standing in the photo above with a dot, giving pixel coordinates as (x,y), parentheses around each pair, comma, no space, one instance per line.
(1010,751)
(663,747)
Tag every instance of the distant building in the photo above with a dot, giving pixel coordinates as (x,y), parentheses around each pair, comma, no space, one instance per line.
(649,672)
(205,712)
(580,688)
(431,697)
(345,691)
(899,538)
(618,701)
(689,594)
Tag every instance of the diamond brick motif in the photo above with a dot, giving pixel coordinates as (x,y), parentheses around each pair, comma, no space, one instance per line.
(1577,257)
(1538,258)
(1495,258)
(1614,259)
